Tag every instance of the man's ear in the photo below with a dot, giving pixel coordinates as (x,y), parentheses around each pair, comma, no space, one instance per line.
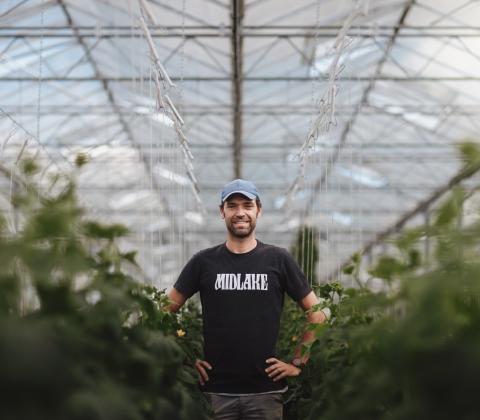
(222,213)
(259,213)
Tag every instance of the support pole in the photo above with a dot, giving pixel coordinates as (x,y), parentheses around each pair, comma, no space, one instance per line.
(237,71)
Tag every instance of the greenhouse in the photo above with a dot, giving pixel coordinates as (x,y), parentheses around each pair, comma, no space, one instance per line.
(145,144)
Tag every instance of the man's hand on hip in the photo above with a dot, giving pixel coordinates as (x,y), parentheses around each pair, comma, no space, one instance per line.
(279,370)
(202,366)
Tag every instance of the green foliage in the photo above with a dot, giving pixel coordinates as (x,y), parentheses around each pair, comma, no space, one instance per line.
(411,351)
(110,232)
(470,154)
(451,209)
(81,159)
(29,167)
(80,338)
(388,268)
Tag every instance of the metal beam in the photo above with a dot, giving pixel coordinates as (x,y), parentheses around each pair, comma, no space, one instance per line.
(276,189)
(219,230)
(237,14)
(268,158)
(404,147)
(308,79)
(108,211)
(333,28)
(194,35)
(272,112)
(249,31)
(274,109)
(422,207)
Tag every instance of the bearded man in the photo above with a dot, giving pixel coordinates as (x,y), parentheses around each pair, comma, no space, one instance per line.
(242,283)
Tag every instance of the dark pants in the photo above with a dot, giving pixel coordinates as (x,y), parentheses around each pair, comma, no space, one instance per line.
(250,407)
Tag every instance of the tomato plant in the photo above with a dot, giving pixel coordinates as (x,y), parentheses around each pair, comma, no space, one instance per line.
(81,338)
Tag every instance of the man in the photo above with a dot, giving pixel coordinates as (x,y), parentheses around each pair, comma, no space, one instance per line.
(242,284)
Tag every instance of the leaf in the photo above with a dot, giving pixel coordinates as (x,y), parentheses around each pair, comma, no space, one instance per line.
(29,167)
(415,258)
(100,231)
(387,268)
(451,209)
(410,238)
(357,257)
(130,256)
(470,153)
(81,159)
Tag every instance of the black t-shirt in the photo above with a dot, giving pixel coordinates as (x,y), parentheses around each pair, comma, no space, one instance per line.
(242,299)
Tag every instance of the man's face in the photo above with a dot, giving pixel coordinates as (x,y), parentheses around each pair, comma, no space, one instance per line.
(240,214)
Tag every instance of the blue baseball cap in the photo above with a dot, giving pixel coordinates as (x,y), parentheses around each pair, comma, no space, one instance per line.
(240,186)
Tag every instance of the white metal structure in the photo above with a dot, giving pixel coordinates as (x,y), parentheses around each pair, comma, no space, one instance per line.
(251,77)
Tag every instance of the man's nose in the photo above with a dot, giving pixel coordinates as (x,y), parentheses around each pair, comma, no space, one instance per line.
(240,212)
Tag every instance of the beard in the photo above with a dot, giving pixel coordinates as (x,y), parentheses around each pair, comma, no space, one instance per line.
(242,232)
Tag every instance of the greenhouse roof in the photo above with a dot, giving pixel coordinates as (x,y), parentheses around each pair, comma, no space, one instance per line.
(347,115)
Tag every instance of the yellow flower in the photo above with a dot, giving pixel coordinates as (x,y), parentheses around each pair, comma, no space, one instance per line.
(294,338)
(180,333)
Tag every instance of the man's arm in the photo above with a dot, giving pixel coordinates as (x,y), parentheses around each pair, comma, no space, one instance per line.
(317,317)
(176,299)
(279,369)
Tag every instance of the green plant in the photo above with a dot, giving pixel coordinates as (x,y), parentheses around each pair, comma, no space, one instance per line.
(411,351)
(80,338)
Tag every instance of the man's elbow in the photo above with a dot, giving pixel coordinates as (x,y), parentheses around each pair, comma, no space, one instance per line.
(175,300)
(173,306)
(313,306)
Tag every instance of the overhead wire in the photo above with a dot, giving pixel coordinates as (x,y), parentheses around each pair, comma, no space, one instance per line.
(164,86)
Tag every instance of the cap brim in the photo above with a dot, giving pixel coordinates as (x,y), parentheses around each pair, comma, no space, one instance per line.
(246,194)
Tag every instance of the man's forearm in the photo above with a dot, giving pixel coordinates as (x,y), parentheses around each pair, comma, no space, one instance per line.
(308,336)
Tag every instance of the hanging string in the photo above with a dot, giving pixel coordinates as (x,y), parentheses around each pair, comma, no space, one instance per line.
(13,169)
(326,102)
(310,238)
(164,85)
(315,225)
(183,250)
(40,69)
